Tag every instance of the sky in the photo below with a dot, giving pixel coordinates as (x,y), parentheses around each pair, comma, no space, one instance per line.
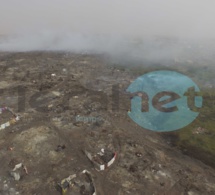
(85,23)
(184,18)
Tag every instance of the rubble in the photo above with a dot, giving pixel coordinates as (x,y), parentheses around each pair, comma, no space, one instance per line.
(60,148)
(15,173)
(103,159)
(18,166)
(200,130)
(81,183)
(138,154)
(66,183)
(12,121)
(129,159)
(56,93)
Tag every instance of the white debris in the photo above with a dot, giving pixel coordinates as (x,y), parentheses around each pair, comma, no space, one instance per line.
(102,152)
(56,93)
(50,106)
(15,175)
(18,166)
(162,173)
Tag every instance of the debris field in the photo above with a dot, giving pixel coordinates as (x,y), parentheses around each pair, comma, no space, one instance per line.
(68,104)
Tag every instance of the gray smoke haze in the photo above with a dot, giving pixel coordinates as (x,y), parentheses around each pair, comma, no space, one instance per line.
(147,30)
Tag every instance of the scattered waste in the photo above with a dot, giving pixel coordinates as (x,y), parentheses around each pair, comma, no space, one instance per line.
(199,130)
(138,154)
(11,148)
(66,183)
(10,122)
(50,106)
(60,148)
(56,93)
(78,183)
(25,169)
(103,159)
(18,166)
(53,75)
(15,173)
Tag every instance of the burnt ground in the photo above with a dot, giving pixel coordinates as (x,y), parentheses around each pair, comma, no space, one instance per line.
(49,91)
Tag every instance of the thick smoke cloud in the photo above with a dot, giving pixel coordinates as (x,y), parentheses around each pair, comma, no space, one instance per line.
(150,30)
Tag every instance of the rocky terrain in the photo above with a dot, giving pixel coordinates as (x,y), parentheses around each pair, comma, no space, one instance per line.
(70,102)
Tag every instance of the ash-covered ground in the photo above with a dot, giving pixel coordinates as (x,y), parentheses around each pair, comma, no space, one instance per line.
(71,102)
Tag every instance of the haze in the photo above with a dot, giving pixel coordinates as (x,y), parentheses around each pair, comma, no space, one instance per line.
(106,26)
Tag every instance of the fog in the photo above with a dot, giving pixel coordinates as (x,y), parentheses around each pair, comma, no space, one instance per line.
(147,30)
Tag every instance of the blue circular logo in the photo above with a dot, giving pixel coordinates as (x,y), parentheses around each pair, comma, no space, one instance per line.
(164,101)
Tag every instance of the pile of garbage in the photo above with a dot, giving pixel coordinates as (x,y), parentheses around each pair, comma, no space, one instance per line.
(78,183)
(16,172)
(103,159)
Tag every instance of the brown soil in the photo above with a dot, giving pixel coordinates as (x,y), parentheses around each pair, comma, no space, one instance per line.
(49,104)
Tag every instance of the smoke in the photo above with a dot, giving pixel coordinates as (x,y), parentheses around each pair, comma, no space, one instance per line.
(139,29)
